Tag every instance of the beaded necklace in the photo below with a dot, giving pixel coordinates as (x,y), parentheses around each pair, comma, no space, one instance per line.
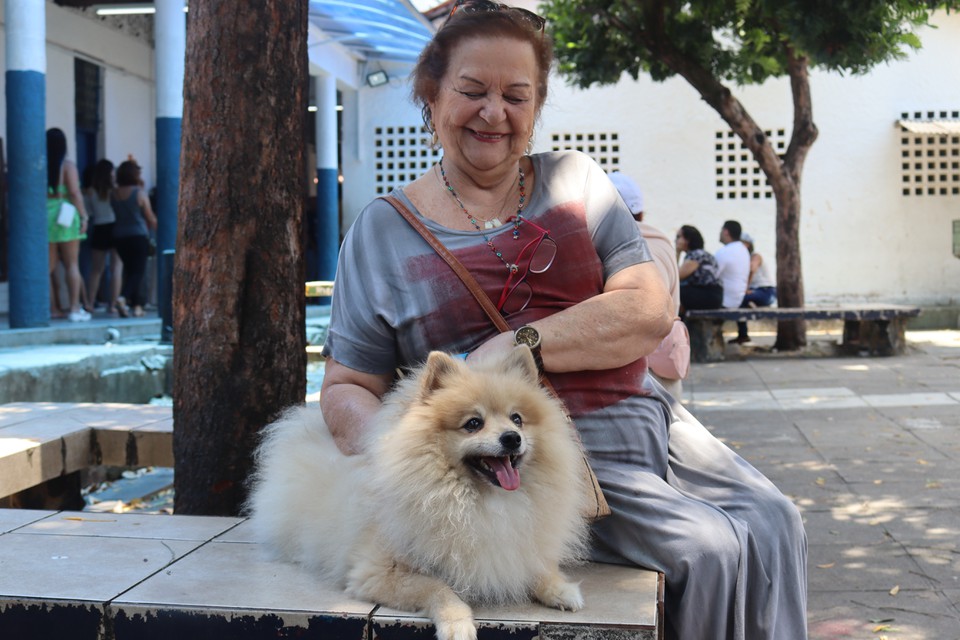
(495,222)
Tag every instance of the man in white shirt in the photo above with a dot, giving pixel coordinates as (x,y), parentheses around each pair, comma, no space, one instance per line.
(734,261)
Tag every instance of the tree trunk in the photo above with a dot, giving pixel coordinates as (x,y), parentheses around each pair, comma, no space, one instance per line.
(792,334)
(782,173)
(238,309)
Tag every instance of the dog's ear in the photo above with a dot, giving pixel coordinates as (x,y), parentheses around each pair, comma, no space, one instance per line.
(439,366)
(521,360)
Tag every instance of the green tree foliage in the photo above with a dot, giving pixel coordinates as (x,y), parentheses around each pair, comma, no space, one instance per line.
(715,43)
(739,41)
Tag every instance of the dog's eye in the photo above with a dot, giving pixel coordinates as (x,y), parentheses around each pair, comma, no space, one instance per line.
(472,425)
(517,419)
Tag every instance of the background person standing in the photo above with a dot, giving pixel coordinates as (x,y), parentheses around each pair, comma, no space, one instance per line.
(131,231)
(97,200)
(63,185)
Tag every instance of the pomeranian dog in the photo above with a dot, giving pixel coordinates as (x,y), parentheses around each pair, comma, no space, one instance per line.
(470,489)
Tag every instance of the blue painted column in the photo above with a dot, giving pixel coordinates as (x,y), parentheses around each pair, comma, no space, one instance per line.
(328,198)
(26,35)
(170,35)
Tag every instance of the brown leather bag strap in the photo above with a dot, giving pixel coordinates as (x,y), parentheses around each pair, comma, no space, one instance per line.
(600,508)
(471,283)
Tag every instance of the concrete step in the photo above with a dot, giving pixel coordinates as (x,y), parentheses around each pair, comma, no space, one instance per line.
(92,576)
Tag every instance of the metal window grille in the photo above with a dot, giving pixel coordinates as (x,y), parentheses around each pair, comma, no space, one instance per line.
(738,174)
(603,147)
(401,154)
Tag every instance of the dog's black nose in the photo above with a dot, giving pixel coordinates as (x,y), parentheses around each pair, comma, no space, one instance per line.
(511,440)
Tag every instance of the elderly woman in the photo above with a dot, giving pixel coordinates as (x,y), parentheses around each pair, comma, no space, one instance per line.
(732,547)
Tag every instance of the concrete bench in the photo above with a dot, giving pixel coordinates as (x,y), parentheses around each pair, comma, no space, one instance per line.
(877,330)
(99,576)
(44,441)
(93,576)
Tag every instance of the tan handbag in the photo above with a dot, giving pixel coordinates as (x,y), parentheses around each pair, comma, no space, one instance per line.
(598,507)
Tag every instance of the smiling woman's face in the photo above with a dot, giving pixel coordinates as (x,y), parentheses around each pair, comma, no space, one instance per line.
(487,104)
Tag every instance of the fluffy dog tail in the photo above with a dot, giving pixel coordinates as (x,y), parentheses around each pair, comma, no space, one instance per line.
(300,496)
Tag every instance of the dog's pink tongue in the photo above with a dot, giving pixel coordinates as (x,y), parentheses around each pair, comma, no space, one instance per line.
(507,475)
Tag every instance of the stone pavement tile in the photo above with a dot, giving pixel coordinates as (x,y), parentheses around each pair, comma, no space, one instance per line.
(946,441)
(881,468)
(243,532)
(808,485)
(14,412)
(909,615)
(744,420)
(852,435)
(940,564)
(11,519)
(954,596)
(818,398)
(758,400)
(785,444)
(928,491)
(784,460)
(240,576)
(70,567)
(848,567)
(837,526)
(913,400)
(922,527)
(948,416)
(119,415)
(825,500)
(788,368)
(131,525)
(717,375)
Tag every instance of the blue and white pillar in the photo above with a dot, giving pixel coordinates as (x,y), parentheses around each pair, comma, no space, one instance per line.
(26,35)
(170,36)
(328,199)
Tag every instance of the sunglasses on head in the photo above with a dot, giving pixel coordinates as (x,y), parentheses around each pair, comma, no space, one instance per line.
(483,6)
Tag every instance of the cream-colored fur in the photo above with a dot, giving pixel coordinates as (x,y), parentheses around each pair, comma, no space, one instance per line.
(411,524)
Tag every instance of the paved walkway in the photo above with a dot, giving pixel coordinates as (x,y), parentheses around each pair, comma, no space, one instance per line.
(869,449)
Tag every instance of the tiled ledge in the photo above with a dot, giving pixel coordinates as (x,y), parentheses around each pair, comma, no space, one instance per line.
(40,441)
(99,576)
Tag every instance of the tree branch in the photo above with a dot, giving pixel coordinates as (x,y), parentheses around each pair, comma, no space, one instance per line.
(804,130)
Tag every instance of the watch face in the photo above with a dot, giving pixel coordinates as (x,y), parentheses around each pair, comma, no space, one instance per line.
(527,335)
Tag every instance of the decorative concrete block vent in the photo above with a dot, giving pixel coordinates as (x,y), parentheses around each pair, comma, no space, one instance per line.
(930,153)
(738,174)
(401,154)
(603,147)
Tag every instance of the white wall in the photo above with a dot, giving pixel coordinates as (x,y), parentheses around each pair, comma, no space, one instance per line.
(129,105)
(129,121)
(860,238)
